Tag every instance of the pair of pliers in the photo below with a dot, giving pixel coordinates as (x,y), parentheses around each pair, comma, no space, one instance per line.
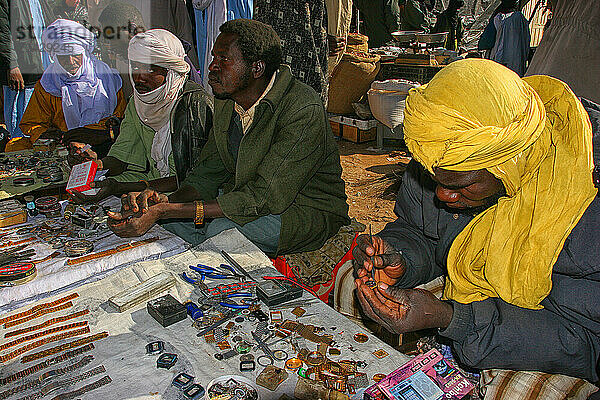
(210,272)
(236,306)
(199,283)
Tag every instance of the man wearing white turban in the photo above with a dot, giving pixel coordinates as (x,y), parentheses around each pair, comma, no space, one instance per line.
(166,124)
(76,94)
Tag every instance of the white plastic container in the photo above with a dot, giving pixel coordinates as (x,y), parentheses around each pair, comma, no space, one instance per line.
(387,100)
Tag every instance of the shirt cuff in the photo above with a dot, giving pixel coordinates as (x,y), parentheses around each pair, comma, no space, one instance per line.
(461,323)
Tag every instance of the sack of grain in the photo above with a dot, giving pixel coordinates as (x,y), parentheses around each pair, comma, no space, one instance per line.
(350,80)
(357,43)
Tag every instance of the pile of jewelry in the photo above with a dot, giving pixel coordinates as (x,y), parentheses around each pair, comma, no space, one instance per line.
(233,388)
(49,206)
(22,166)
(78,247)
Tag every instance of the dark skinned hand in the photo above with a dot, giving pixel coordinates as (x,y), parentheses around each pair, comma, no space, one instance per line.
(141,201)
(15,79)
(389,265)
(107,187)
(77,155)
(129,224)
(336,45)
(402,310)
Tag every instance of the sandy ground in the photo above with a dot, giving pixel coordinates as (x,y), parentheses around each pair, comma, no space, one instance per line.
(372,179)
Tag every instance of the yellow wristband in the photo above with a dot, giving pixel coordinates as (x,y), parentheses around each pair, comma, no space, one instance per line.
(199,216)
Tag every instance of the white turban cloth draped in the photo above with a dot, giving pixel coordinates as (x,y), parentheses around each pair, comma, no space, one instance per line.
(162,48)
(90,94)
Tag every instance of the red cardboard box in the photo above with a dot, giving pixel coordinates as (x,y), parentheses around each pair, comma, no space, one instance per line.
(81,177)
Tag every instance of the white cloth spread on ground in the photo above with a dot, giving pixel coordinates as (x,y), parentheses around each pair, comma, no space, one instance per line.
(134,373)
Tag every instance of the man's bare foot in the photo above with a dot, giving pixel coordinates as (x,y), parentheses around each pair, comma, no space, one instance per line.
(403,310)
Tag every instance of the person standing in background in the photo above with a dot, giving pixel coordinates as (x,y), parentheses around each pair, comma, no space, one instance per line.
(382,17)
(207,16)
(170,15)
(22,59)
(449,21)
(302,27)
(571,51)
(75,10)
(507,37)
(339,16)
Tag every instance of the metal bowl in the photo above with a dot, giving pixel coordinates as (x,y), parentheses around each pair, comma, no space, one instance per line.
(405,36)
(431,37)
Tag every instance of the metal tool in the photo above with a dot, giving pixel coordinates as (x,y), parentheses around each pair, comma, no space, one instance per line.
(235,306)
(236,265)
(265,348)
(227,317)
(373,256)
(213,273)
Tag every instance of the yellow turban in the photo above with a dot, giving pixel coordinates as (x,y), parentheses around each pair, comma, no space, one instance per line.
(534,135)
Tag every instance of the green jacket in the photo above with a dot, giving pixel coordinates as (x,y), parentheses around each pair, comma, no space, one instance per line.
(19,48)
(288,164)
(191,120)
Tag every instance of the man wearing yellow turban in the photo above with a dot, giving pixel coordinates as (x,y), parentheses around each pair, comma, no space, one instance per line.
(500,199)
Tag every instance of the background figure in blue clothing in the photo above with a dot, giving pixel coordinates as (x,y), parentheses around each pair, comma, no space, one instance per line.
(506,37)
(207,16)
(22,60)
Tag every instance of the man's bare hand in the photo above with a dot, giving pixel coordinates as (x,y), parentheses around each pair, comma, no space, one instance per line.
(107,187)
(15,79)
(386,262)
(129,224)
(80,153)
(402,310)
(141,201)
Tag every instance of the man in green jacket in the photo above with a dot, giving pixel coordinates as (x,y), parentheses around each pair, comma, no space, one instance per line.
(270,168)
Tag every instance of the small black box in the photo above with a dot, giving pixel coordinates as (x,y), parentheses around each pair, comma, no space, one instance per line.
(166,310)
(274,292)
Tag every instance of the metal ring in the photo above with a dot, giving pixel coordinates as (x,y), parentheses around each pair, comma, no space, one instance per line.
(283,355)
(263,357)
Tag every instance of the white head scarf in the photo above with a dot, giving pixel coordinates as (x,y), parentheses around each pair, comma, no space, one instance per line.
(162,48)
(91,93)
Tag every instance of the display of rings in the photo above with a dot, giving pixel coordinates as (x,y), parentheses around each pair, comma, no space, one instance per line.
(78,247)
(280,355)
(49,172)
(26,181)
(53,178)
